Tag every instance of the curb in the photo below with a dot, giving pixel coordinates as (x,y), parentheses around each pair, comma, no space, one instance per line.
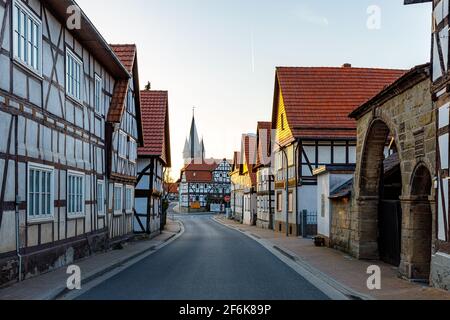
(306,268)
(63,290)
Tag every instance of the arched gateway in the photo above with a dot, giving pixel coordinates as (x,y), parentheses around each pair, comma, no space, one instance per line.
(393,203)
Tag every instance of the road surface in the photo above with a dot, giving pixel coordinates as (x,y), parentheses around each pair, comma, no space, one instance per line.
(208,262)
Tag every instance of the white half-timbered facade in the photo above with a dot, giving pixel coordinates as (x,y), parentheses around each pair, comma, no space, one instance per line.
(153,159)
(265,186)
(124,132)
(205,186)
(56,87)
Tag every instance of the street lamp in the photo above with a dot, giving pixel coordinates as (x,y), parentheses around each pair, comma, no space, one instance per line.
(283,150)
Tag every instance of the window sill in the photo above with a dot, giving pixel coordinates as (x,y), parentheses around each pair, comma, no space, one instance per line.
(37,74)
(35,221)
(74,216)
(117,213)
(75,101)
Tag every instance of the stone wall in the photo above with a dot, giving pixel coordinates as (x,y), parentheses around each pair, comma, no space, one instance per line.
(340,224)
(410,119)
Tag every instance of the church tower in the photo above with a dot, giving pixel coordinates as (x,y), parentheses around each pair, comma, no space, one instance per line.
(194,149)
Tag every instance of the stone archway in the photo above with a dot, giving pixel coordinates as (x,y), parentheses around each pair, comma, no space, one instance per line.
(370,193)
(417,226)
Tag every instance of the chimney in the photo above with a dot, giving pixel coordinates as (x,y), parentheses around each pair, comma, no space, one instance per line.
(347,65)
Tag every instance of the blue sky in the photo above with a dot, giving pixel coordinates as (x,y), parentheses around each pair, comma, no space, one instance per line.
(220,55)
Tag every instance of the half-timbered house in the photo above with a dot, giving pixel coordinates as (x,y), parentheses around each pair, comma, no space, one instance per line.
(205,186)
(440,88)
(124,134)
(56,88)
(310,116)
(265,194)
(153,159)
(243,180)
(237,188)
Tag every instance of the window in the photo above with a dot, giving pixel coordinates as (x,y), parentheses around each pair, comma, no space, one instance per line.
(291,202)
(75,193)
(133,150)
(101,197)
(40,192)
(279,202)
(123,141)
(74,68)
(118,195)
(98,95)
(27,37)
(129,199)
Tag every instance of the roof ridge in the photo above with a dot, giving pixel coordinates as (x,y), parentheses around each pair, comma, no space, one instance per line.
(340,68)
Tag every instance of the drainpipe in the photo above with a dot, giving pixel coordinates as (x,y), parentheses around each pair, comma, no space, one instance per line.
(287,191)
(296,158)
(18,237)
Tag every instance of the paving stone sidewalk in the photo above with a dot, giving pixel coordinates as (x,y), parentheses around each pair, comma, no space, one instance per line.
(347,271)
(51,285)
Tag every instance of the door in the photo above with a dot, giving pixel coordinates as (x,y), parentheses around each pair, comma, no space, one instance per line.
(390,229)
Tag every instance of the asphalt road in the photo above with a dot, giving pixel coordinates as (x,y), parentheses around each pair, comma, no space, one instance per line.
(208,262)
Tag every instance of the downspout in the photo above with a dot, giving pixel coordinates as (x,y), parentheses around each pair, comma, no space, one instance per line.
(152,169)
(19,256)
(297,148)
(287,191)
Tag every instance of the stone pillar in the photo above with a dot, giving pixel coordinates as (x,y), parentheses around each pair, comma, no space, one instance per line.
(416,237)
(364,240)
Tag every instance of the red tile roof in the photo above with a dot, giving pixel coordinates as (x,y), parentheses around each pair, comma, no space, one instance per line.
(199,173)
(155,123)
(249,143)
(411,78)
(126,54)
(264,132)
(318,100)
(171,187)
(117,104)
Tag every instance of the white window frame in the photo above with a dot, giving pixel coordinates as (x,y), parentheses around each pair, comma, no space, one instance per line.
(129,209)
(98,93)
(74,57)
(122,134)
(30,16)
(118,212)
(101,210)
(76,213)
(132,150)
(47,217)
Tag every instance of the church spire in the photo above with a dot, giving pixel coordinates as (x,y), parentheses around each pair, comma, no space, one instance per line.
(194,148)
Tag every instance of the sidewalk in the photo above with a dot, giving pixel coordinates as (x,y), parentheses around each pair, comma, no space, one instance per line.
(345,271)
(51,285)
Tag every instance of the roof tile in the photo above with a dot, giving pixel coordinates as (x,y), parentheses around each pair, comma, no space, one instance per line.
(318,100)
(155,122)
